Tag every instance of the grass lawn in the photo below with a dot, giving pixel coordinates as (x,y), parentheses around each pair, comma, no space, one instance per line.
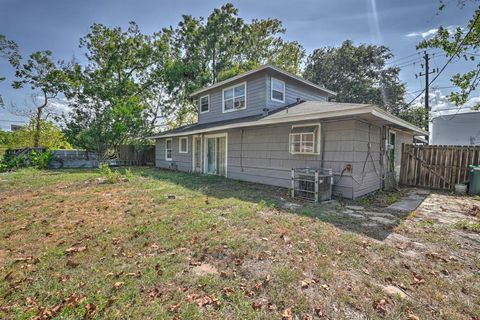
(169,245)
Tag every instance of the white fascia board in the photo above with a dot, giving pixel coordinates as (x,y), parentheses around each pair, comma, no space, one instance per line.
(379,113)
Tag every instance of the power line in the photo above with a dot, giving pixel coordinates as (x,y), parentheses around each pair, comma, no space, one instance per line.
(448,62)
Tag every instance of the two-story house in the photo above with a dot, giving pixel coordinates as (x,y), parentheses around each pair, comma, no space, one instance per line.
(259,125)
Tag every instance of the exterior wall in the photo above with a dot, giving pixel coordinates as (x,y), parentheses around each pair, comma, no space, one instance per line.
(180,161)
(293,90)
(367,157)
(258,96)
(260,154)
(256,99)
(462,129)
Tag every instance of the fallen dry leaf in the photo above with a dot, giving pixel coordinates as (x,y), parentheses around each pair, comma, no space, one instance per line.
(227,291)
(174,308)
(256,305)
(75,249)
(287,314)
(118,285)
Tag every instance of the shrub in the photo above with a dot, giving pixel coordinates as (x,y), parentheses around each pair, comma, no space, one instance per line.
(109,174)
(40,160)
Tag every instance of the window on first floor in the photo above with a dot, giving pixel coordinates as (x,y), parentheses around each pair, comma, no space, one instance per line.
(183,145)
(168,149)
(305,139)
(234,98)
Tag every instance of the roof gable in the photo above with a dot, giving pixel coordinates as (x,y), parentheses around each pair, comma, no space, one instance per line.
(260,69)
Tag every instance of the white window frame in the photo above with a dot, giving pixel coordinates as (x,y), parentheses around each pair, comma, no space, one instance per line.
(233,87)
(271,90)
(180,145)
(166,149)
(205,150)
(200,103)
(194,150)
(316,138)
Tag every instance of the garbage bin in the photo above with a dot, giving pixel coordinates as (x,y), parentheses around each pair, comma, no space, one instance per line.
(474,184)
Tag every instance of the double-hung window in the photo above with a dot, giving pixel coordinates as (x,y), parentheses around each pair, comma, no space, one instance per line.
(183,145)
(168,149)
(305,139)
(234,98)
(278,90)
(204,104)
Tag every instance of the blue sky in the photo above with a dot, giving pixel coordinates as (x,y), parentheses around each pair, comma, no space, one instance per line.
(398,24)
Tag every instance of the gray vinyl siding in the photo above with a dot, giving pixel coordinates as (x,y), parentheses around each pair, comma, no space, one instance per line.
(263,157)
(258,96)
(293,90)
(182,161)
(367,169)
(256,100)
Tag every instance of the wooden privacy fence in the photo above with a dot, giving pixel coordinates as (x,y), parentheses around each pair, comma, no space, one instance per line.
(437,167)
(136,155)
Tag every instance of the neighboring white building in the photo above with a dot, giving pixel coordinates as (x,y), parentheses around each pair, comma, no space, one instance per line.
(456,129)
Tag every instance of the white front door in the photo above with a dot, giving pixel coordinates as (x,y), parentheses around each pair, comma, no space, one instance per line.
(216,154)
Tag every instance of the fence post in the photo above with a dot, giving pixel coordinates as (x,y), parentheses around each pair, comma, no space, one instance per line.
(316,185)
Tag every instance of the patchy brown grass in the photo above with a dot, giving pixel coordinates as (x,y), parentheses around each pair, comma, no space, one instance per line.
(73,248)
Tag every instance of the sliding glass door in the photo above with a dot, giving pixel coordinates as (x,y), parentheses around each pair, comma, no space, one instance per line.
(216,154)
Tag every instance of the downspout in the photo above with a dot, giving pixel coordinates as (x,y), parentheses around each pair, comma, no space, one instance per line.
(322,144)
(241,150)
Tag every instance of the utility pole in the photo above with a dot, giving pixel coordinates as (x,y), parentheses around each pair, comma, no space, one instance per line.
(425,74)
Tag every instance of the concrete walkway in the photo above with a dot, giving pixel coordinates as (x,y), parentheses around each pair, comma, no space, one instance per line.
(409,202)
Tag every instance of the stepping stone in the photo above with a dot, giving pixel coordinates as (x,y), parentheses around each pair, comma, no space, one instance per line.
(291,206)
(355,208)
(380,214)
(394,291)
(369,224)
(356,215)
(383,220)
(204,269)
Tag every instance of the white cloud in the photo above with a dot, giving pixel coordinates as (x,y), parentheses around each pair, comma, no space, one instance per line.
(429,33)
(440,105)
(425,34)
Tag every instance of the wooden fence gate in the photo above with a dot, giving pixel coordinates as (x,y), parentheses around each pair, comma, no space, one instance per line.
(437,167)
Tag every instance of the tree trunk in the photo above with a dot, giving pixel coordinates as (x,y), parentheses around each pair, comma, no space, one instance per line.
(38,122)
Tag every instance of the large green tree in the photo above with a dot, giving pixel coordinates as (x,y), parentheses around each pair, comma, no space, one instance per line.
(358,74)
(42,74)
(113,98)
(9,50)
(461,43)
(208,50)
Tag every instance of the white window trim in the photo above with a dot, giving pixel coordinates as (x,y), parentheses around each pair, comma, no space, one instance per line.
(223,97)
(200,103)
(271,90)
(180,145)
(195,150)
(317,143)
(205,148)
(171,149)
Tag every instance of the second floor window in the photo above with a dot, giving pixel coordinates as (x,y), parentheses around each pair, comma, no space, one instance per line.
(278,90)
(204,104)
(234,98)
